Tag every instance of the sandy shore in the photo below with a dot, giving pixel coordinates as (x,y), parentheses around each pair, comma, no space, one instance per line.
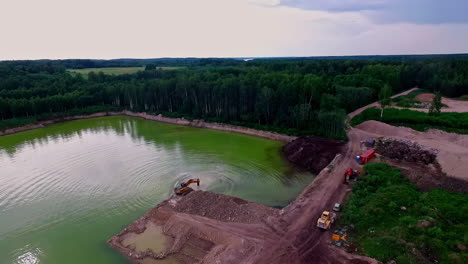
(160,118)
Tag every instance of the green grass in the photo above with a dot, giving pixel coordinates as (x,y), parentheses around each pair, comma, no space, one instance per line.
(384,231)
(450,122)
(110,71)
(117,70)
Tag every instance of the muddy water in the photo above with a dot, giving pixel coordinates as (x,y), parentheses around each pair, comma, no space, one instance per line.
(66,188)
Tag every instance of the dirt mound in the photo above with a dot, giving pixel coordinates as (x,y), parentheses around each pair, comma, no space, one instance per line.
(221,207)
(386,130)
(425,97)
(406,150)
(313,153)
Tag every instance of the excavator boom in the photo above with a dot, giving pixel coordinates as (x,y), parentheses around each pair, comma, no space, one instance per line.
(184,188)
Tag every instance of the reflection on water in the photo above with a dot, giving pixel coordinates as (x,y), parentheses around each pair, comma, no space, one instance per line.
(29,257)
(67,188)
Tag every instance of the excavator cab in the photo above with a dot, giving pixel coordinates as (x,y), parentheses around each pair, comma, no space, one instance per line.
(184,188)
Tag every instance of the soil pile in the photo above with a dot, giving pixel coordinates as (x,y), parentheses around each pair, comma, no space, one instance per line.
(313,153)
(406,150)
(222,207)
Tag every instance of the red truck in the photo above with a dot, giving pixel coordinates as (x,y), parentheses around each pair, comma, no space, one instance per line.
(367,156)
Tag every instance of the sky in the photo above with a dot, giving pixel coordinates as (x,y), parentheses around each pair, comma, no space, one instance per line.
(106,29)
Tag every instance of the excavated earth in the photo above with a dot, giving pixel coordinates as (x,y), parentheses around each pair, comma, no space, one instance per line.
(312,153)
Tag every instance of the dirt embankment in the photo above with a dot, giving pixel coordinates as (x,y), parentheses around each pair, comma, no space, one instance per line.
(160,118)
(200,227)
(313,153)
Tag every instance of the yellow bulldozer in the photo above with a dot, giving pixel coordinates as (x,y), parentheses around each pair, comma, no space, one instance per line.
(184,188)
(325,220)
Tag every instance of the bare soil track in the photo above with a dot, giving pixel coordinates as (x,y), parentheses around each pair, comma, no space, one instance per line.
(238,231)
(451,104)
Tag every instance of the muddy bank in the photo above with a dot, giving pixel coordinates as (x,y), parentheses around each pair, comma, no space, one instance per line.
(312,153)
(215,126)
(203,227)
(41,124)
(160,118)
(200,227)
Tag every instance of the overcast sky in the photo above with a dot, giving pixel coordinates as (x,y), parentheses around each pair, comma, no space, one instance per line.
(57,29)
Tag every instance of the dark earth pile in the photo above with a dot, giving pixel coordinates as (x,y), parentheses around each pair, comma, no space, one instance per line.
(313,153)
(406,150)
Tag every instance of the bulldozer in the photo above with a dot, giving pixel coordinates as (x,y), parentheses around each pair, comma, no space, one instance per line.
(184,188)
(325,220)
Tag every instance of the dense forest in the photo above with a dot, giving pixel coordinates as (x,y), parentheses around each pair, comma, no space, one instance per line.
(290,95)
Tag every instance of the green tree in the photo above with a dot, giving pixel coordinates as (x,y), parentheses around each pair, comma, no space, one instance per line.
(384,98)
(436,104)
(150,67)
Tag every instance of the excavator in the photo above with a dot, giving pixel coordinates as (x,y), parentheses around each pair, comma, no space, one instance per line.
(184,188)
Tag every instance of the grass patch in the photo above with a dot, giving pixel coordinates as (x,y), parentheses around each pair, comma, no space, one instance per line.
(386,232)
(110,71)
(450,122)
(116,70)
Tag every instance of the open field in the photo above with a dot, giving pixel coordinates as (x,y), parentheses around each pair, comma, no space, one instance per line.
(111,71)
(117,70)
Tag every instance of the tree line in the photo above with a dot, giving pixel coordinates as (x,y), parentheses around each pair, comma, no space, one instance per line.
(294,96)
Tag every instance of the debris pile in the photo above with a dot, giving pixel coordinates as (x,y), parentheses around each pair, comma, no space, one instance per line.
(406,150)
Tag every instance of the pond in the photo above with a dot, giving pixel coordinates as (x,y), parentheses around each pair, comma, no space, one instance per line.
(66,188)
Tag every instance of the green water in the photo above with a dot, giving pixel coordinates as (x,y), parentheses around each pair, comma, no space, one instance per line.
(67,188)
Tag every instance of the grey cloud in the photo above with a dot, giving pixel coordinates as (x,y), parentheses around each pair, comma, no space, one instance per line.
(393,11)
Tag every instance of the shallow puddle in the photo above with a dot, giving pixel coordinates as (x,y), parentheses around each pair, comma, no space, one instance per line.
(152,238)
(168,260)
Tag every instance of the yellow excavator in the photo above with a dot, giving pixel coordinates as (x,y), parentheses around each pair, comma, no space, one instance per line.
(184,188)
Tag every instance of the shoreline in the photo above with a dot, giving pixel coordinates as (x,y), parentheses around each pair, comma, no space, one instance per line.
(159,118)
